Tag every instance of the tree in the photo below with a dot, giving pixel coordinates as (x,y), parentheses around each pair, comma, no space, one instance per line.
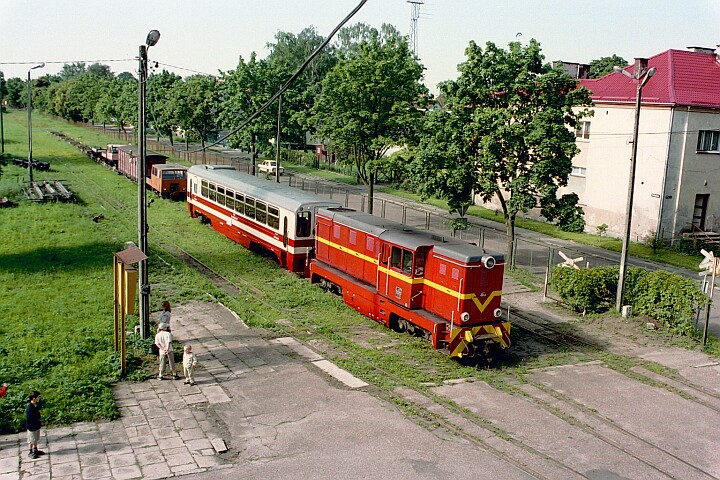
(72,70)
(508,133)
(125,76)
(107,108)
(126,104)
(370,101)
(604,65)
(161,102)
(286,56)
(440,167)
(243,91)
(197,102)
(100,70)
(15,88)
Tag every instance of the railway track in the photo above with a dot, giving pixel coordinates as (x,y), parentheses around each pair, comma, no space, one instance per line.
(436,411)
(604,429)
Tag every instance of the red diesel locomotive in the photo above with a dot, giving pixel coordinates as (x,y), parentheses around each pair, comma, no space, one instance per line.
(407,279)
(413,280)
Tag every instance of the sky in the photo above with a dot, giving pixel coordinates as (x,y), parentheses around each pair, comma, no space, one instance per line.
(210,36)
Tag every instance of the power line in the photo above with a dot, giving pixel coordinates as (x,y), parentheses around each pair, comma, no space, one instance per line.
(181,68)
(71,61)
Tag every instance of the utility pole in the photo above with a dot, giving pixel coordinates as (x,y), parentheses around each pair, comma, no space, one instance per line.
(277,141)
(2,129)
(29,112)
(144,285)
(641,75)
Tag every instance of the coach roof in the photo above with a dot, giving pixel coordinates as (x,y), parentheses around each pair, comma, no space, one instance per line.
(271,192)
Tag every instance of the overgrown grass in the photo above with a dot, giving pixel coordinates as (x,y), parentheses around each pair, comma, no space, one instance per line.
(56,300)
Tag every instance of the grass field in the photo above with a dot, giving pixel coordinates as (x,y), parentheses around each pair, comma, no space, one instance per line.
(56,307)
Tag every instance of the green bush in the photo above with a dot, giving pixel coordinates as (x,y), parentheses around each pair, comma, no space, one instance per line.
(661,295)
(689,246)
(586,289)
(667,297)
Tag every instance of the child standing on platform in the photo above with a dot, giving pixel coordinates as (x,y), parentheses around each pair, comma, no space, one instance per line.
(189,362)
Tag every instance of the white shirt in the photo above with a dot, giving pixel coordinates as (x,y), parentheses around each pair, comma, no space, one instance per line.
(163,339)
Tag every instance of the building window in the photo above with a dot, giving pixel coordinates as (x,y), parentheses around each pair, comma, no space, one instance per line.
(708,140)
(582,130)
(578,171)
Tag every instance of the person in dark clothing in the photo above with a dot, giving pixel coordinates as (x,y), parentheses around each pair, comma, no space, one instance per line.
(32,423)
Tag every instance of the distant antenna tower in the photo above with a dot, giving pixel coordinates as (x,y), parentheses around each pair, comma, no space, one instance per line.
(414,15)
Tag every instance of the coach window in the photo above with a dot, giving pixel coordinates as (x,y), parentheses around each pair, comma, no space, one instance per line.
(221,195)
(239,203)
(261,211)
(204,189)
(250,207)
(213,193)
(303,228)
(230,199)
(273,217)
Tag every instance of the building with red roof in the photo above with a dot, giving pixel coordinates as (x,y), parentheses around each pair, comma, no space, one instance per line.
(677,183)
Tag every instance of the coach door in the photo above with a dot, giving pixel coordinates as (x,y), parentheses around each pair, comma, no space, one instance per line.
(395,274)
(285,232)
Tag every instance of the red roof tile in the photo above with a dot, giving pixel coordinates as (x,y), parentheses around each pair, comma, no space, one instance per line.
(682,78)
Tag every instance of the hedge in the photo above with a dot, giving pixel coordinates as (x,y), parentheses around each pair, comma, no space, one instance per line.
(661,295)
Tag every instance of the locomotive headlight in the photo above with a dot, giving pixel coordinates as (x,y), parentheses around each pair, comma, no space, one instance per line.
(497,313)
(465,316)
(488,261)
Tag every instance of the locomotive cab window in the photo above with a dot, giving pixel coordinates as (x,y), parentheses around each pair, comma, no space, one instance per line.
(204,188)
(420,263)
(402,260)
(304,226)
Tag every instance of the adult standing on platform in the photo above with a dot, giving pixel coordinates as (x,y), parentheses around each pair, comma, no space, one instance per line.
(165,314)
(163,340)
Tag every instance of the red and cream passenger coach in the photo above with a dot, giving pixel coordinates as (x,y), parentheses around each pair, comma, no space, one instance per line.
(256,212)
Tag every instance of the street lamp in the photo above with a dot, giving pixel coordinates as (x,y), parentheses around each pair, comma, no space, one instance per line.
(144,287)
(29,109)
(641,74)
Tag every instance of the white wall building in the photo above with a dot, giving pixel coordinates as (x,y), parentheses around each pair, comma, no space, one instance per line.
(677,183)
